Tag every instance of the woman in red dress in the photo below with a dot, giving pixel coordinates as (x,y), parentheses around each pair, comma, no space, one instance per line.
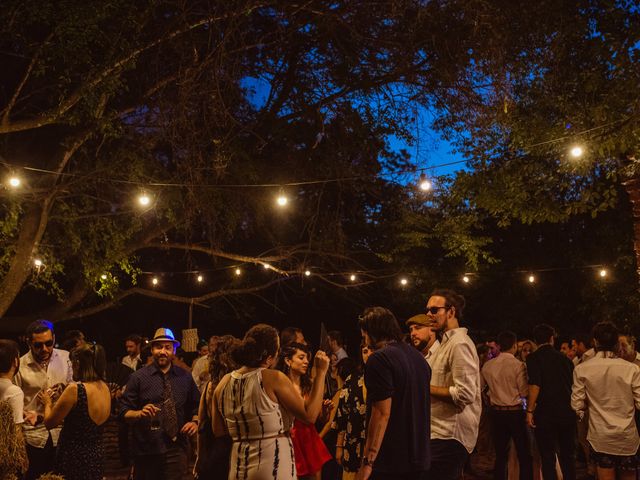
(309,450)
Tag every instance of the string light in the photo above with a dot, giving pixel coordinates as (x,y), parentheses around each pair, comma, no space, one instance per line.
(266,266)
(154,281)
(103,276)
(144,200)
(200,278)
(14,182)
(466,279)
(282,199)
(307,273)
(238,272)
(531,279)
(576,151)
(353,278)
(424,183)
(38,263)
(603,273)
(404,282)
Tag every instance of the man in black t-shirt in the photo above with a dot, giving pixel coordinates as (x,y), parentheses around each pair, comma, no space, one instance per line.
(549,410)
(398,404)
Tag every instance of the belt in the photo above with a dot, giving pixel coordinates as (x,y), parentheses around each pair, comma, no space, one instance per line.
(511,408)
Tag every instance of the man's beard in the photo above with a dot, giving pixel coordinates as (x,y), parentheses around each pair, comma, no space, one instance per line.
(422,345)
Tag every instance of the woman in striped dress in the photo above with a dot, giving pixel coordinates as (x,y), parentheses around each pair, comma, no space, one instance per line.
(251,406)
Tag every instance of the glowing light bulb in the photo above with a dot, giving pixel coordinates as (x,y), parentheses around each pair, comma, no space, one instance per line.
(200,278)
(154,281)
(266,266)
(103,276)
(238,272)
(466,279)
(307,273)
(14,182)
(577,151)
(531,279)
(353,278)
(404,281)
(425,185)
(282,200)
(603,273)
(144,200)
(37,262)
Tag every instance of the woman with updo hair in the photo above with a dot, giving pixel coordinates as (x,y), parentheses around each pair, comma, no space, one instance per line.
(255,404)
(84,406)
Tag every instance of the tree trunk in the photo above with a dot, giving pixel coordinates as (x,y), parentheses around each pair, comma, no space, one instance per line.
(31,232)
(632,187)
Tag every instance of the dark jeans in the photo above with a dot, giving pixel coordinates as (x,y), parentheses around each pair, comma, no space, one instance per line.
(507,425)
(172,465)
(399,476)
(556,436)
(41,460)
(447,459)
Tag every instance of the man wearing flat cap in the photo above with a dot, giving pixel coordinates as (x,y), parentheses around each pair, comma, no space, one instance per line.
(161,403)
(422,337)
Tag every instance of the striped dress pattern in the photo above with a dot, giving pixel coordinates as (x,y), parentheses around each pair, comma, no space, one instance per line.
(262,448)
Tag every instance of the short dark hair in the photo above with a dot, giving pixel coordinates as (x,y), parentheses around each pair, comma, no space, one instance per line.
(380,324)
(543,332)
(9,351)
(606,334)
(452,299)
(337,336)
(135,338)
(259,343)
(584,338)
(506,340)
(91,362)
(38,326)
(288,335)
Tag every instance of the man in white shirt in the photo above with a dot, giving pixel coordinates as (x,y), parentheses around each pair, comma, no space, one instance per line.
(609,388)
(422,337)
(133,344)
(506,378)
(336,344)
(627,349)
(41,368)
(455,388)
(200,370)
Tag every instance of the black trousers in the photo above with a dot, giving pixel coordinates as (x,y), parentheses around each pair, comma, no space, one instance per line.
(556,436)
(41,460)
(447,459)
(507,425)
(172,465)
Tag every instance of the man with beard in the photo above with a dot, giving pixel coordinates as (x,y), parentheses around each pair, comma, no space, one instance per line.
(422,336)
(42,367)
(455,388)
(161,402)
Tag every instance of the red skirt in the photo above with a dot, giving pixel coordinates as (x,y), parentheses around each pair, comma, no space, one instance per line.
(309,450)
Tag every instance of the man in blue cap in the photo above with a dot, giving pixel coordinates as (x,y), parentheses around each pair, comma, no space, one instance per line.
(161,402)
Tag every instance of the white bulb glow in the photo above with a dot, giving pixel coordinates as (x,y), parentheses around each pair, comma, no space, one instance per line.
(425,185)
(14,182)
(466,279)
(576,152)
(238,272)
(282,200)
(266,266)
(353,278)
(404,281)
(200,278)
(531,279)
(144,200)
(307,273)
(154,281)
(37,262)
(103,276)
(603,273)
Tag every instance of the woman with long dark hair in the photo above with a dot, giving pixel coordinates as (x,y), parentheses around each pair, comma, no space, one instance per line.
(84,406)
(310,451)
(254,405)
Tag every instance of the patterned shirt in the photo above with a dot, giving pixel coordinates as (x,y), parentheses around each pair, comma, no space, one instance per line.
(350,419)
(147,386)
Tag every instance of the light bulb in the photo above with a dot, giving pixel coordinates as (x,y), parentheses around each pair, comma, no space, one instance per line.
(603,273)
(103,276)
(200,278)
(307,273)
(353,278)
(14,182)
(425,185)
(37,262)
(282,200)
(154,281)
(577,151)
(144,200)
(266,266)
(466,279)
(403,281)
(238,272)
(531,279)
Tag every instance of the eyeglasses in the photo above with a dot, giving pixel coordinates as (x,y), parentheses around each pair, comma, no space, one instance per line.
(48,343)
(434,310)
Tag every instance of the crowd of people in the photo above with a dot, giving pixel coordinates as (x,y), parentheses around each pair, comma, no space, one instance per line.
(411,405)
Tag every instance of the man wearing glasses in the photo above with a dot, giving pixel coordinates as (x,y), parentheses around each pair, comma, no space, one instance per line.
(41,368)
(455,388)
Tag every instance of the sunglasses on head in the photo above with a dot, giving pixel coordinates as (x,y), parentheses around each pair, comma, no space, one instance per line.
(48,343)
(434,310)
